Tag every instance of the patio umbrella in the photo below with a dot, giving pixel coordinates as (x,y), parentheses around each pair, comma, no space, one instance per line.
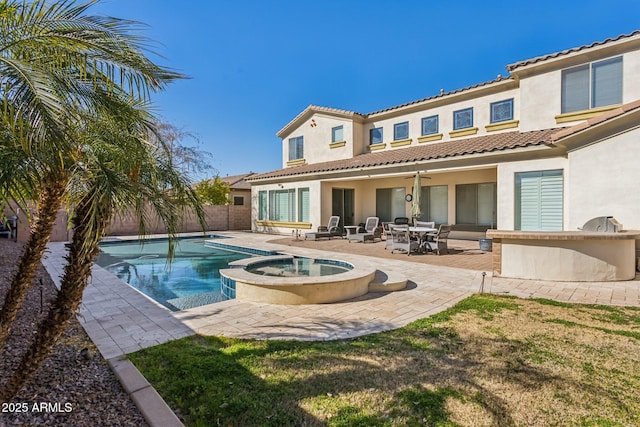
(415,202)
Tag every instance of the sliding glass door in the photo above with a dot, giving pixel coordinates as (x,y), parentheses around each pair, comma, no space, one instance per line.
(390,203)
(433,204)
(476,204)
(343,205)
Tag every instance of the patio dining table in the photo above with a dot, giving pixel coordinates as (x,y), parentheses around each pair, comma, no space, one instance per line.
(422,233)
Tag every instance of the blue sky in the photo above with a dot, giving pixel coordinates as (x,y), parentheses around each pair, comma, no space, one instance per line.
(254,65)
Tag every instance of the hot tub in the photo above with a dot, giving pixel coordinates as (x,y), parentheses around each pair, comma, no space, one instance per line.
(282,285)
(298,267)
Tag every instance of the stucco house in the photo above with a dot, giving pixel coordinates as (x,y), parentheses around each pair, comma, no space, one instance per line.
(548,146)
(240,193)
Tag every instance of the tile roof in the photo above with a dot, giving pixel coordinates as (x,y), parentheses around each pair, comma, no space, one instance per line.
(604,117)
(537,59)
(441,150)
(317,109)
(238,182)
(442,94)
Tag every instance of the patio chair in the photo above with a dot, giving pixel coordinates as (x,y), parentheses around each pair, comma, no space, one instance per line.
(401,239)
(439,240)
(370,232)
(401,220)
(387,233)
(427,224)
(9,227)
(4,228)
(330,230)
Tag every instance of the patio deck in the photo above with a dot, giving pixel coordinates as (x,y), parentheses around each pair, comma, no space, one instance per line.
(462,253)
(121,320)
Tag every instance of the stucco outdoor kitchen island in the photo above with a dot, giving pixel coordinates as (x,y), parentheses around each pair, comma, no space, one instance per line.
(565,255)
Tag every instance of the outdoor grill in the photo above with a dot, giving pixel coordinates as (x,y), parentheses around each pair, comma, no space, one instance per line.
(602,224)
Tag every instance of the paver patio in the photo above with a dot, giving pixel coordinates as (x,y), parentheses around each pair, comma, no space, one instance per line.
(120,320)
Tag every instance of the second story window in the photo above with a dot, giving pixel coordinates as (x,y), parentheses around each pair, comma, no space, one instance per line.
(502,111)
(430,125)
(375,136)
(592,85)
(400,131)
(296,148)
(337,134)
(463,119)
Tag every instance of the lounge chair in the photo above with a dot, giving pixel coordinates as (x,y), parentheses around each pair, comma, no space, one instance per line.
(326,232)
(370,232)
(401,239)
(438,240)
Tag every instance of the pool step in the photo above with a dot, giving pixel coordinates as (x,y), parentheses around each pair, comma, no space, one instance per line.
(387,282)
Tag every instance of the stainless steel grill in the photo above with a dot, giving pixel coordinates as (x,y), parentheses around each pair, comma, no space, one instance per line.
(602,224)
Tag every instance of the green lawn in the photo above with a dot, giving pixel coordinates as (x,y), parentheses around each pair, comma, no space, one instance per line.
(489,360)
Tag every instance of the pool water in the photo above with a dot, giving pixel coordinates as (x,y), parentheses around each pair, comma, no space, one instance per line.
(191,280)
(299,267)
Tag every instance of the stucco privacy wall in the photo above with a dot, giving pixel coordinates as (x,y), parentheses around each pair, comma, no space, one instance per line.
(60,231)
(218,218)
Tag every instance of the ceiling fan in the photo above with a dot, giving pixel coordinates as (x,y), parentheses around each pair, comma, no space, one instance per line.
(421,176)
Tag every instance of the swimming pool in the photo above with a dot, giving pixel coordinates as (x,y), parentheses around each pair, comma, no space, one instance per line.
(191,280)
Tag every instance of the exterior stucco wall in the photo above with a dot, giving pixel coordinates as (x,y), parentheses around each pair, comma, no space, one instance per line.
(481,117)
(244,194)
(317,139)
(365,190)
(605,180)
(315,216)
(631,70)
(541,93)
(507,190)
(540,97)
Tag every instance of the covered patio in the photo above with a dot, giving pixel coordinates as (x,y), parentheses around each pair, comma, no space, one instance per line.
(465,254)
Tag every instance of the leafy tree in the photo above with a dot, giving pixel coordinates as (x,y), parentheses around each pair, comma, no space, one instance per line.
(116,169)
(55,61)
(73,95)
(187,159)
(213,191)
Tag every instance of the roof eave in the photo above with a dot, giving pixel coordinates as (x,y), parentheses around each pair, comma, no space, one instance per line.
(620,120)
(312,110)
(496,85)
(538,150)
(575,56)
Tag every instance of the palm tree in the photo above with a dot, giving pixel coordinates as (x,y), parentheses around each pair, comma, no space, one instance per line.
(57,63)
(117,168)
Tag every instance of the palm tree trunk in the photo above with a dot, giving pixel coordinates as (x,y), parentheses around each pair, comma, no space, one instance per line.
(73,282)
(48,206)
